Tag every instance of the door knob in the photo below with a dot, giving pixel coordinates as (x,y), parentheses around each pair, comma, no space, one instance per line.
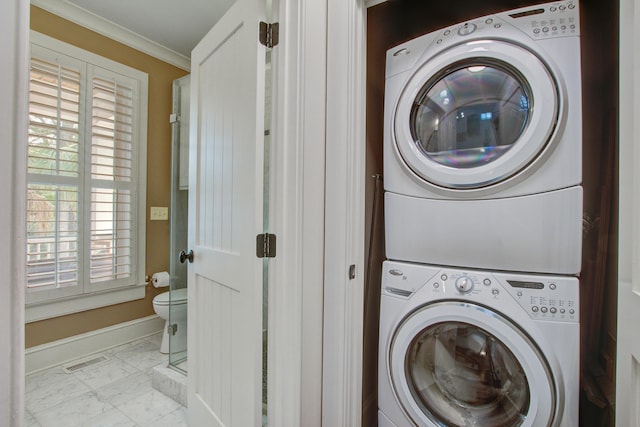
(183,256)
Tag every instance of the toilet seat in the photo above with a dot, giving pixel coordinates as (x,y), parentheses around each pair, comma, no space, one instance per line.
(178,296)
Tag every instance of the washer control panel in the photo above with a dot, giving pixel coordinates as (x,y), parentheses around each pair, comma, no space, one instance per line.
(542,297)
(549,298)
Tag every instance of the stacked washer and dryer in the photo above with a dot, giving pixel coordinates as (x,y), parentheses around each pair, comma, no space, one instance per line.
(479,321)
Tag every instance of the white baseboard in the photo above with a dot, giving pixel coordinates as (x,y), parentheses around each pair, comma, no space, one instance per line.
(61,351)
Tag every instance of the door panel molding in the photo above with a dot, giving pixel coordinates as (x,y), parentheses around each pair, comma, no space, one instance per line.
(628,351)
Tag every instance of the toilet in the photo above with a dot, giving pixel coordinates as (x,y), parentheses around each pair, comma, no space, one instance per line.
(178,298)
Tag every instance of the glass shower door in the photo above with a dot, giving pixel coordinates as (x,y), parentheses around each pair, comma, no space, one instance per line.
(179,221)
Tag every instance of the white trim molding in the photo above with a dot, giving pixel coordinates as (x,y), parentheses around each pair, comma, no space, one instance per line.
(344,225)
(297,215)
(113,31)
(628,345)
(14,69)
(57,352)
(49,309)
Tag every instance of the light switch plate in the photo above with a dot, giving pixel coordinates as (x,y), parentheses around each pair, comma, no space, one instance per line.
(159,213)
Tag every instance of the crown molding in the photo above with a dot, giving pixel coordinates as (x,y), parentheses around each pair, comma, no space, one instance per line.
(102,26)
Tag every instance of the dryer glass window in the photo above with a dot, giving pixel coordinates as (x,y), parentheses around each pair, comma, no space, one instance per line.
(460,374)
(471,113)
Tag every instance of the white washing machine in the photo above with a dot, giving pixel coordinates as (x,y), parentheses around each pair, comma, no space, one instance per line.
(477,348)
(483,143)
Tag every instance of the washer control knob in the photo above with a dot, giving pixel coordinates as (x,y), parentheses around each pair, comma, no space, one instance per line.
(467,29)
(464,284)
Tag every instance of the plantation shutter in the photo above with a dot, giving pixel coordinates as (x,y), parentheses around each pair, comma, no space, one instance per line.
(54,173)
(85,180)
(113,177)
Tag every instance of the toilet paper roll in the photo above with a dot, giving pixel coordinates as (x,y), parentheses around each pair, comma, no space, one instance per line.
(160,280)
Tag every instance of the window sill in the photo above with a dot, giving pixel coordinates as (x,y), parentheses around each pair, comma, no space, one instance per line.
(50,309)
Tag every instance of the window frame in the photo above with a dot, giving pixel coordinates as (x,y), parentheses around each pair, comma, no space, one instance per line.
(45,304)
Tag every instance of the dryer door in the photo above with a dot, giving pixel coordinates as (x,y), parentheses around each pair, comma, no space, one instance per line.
(459,364)
(477,114)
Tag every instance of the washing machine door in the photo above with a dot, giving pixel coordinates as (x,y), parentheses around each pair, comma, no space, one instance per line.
(477,114)
(461,364)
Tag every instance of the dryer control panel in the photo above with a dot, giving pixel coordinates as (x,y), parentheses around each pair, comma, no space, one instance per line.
(547,20)
(543,21)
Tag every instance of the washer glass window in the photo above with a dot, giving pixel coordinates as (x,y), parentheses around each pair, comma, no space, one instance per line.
(460,374)
(471,113)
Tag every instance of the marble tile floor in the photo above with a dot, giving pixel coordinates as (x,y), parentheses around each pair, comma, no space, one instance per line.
(116,392)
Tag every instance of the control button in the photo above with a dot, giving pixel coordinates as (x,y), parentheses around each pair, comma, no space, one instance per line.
(436,285)
(572,26)
(444,277)
(562,7)
(534,309)
(553,8)
(554,28)
(403,51)
(552,286)
(467,29)
(447,32)
(543,309)
(439,41)
(520,293)
(495,291)
(572,6)
(489,21)
(545,29)
(572,311)
(497,26)
(562,310)
(486,282)
(564,27)
(464,284)
(553,310)
(536,31)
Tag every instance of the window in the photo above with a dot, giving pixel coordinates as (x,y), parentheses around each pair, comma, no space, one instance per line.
(86,178)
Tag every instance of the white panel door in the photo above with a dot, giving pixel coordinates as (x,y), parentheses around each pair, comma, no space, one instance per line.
(225,214)
(628,357)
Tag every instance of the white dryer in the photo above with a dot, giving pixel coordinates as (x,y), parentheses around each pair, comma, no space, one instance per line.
(483,143)
(477,348)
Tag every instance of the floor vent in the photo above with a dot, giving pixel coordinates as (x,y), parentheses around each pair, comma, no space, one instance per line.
(76,365)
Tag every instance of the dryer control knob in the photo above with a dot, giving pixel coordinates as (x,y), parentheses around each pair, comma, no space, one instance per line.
(464,284)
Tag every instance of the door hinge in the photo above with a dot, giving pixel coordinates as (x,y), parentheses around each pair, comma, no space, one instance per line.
(266,245)
(269,34)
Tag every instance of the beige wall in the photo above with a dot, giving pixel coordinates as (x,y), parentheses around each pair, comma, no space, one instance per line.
(161,76)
